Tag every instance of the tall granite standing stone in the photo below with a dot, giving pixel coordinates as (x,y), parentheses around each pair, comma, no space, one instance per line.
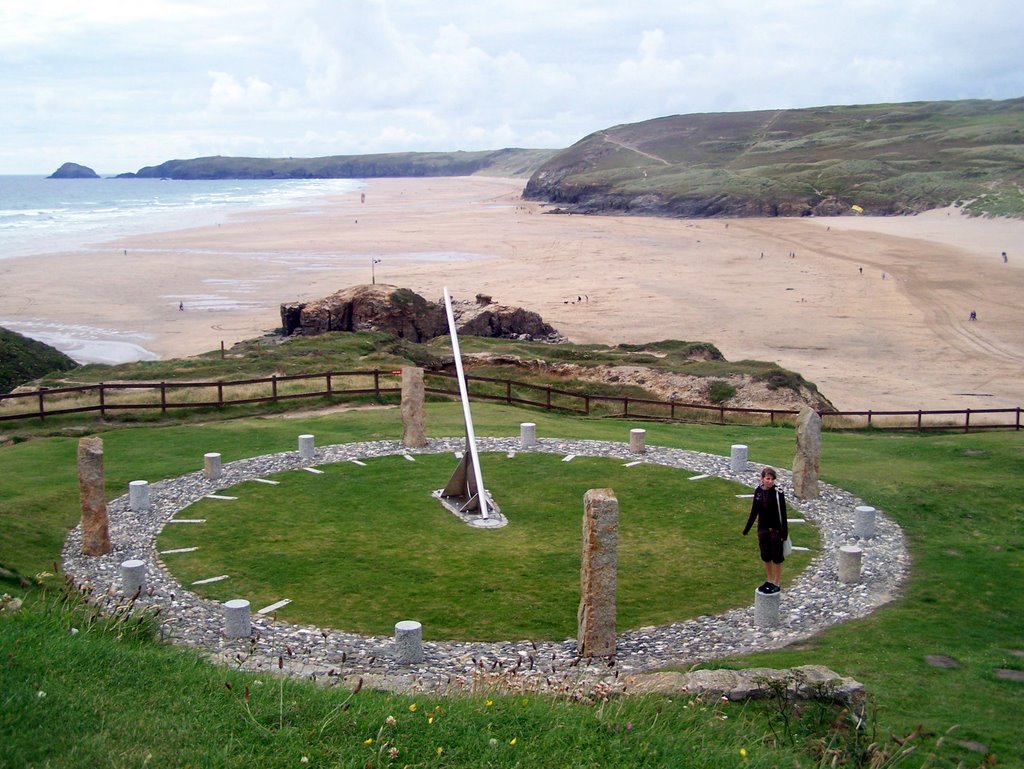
(596,615)
(808,454)
(414,422)
(95,533)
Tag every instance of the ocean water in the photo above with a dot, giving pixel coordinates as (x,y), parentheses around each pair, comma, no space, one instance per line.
(41,216)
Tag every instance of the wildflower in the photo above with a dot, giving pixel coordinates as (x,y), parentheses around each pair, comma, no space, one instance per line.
(526,701)
(412,708)
(40,694)
(440,750)
(513,741)
(488,703)
(393,753)
(493,741)
(743,752)
(304,760)
(368,741)
(390,720)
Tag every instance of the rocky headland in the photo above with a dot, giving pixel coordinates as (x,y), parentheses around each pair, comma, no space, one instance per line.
(73,171)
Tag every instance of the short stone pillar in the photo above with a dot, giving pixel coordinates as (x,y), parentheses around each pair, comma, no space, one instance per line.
(95,532)
(849,564)
(638,440)
(414,418)
(766,609)
(408,642)
(738,458)
(138,496)
(306,447)
(133,577)
(863,522)
(211,466)
(807,461)
(236,618)
(598,574)
(527,435)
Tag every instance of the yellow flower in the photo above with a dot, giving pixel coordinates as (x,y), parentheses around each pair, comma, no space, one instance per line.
(513,741)
(430,720)
(488,703)
(368,741)
(743,752)
(412,708)
(440,750)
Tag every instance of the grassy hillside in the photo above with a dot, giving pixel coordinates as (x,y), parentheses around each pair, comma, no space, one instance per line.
(23,359)
(505,162)
(957,497)
(883,158)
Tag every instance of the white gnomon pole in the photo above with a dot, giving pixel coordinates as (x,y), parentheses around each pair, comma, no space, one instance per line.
(470,434)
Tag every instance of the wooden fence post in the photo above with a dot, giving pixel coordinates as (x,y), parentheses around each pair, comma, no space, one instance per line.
(163,397)
(103,405)
(328,376)
(508,391)
(220,393)
(967,421)
(42,408)
(273,386)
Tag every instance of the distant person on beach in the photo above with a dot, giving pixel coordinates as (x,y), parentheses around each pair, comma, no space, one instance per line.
(1004,257)
(769,510)
(974,315)
(181,307)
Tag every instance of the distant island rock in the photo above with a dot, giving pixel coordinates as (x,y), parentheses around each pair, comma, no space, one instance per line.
(73,171)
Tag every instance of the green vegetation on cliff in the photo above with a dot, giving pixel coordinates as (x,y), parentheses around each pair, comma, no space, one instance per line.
(505,162)
(882,158)
(23,359)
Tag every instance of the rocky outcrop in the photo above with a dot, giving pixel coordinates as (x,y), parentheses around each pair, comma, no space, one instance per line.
(408,315)
(73,171)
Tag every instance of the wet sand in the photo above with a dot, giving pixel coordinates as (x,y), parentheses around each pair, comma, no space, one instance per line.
(808,294)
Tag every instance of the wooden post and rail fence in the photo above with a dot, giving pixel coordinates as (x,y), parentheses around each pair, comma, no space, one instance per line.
(107,397)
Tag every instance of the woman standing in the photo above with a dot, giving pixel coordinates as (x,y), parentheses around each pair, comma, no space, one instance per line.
(769,510)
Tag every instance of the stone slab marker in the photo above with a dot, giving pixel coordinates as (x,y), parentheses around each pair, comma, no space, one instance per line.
(766,609)
(638,440)
(738,458)
(133,576)
(408,642)
(95,532)
(864,522)
(807,461)
(596,615)
(211,466)
(138,496)
(306,446)
(414,420)
(236,618)
(849,564)
(527,434)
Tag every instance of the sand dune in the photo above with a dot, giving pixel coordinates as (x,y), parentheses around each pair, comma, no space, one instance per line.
(809,294)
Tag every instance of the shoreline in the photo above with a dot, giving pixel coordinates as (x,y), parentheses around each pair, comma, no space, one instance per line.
(808,294)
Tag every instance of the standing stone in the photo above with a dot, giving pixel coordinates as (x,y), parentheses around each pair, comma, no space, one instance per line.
(211,466)
(95,533)
(408,642)
(638,440)
(414,420)
(864,522)
(808,454)
(306,448)
(527,435)
(138,496)
(738,458)
(596,615)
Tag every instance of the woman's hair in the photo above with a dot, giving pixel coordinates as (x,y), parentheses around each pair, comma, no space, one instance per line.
(769,471)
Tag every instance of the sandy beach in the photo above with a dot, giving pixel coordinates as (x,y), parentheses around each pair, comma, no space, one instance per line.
(875,311)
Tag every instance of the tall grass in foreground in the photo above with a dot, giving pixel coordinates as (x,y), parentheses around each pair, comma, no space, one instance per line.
(958,498)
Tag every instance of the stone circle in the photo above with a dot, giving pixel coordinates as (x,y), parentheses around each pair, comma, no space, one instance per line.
(815,600)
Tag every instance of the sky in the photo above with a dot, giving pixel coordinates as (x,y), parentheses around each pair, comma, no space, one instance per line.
(120,84)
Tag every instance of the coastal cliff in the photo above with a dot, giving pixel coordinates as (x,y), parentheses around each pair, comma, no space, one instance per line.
(73,171)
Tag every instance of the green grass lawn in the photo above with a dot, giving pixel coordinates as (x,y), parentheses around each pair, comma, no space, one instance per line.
(110,702)
(359,548)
